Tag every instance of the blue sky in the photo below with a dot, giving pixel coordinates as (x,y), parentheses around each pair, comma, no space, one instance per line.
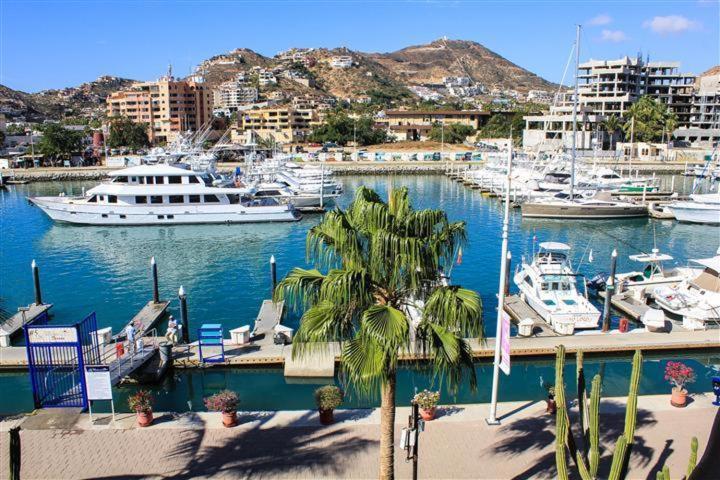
(54,44)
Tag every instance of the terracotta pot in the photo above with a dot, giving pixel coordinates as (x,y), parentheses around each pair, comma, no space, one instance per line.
(144,418)
(326,416)
(229,419)
(679,397)
(551,406)
(428,414)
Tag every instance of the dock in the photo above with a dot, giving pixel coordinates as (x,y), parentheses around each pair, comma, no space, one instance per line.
(269,316)
(626,306)
(14,324)
(519,310)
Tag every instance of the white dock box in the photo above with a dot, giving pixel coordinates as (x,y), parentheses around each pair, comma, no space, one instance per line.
(525,327)
(283,330)
(240,335)
(103,336)
(564,327)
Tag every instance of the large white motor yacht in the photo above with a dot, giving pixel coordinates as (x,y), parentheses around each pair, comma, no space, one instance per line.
(548,285)
(160,195)
(695,301)
(702,208)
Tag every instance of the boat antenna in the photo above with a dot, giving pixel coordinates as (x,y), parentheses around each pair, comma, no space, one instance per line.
(575,111)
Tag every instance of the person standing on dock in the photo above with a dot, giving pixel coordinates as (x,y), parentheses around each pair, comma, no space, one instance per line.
(171,335)
(130,333)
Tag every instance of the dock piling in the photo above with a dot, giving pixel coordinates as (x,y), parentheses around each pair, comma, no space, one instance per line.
(508,263)
(156,292)
(609,289)
(184,315)
(36,283)
(273,274)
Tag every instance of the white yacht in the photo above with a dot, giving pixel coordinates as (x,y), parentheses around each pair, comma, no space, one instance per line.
(695,301)
(702,208)
(163,194)
(640,284)
(548,285)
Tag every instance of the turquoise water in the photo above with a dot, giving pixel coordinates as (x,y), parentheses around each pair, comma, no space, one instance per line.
(225,269)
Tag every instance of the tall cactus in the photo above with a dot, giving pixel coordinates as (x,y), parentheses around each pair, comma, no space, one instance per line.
(693,456)
(594,425)
(588,463)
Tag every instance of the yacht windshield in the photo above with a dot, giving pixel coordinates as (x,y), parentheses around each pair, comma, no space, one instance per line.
(207,179)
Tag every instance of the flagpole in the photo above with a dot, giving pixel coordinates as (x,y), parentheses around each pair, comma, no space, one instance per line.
(492,419)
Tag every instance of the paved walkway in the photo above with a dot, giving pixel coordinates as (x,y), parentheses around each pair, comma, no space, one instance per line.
(459,444)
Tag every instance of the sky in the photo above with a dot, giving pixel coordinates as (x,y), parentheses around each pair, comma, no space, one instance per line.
(57,44)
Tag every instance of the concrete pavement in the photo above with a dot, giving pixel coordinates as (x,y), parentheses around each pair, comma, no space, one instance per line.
(292,444)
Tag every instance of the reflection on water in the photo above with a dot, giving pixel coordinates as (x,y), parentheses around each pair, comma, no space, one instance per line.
(225,270)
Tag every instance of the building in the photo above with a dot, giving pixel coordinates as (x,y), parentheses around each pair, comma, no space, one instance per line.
(425,93)
(703,127)
(231,95)
(344,61)
(416,124)
(284,124)
(610,87)
(540,96)
(266,77)
(167,106)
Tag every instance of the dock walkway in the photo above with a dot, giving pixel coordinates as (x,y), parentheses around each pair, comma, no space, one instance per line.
(14,324)
(620,302)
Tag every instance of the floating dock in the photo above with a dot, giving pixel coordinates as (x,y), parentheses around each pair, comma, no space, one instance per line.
(14,324)
(519,310)
(626,306)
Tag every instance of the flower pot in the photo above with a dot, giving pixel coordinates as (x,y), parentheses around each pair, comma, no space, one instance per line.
(679,397)
(326,416)
(144,418)
(551,406)
(229,419)
(428,414)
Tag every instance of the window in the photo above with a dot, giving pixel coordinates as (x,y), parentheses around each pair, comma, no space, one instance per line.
(112,198)
(123,216)
(150,180)
(101,198)
(156,199)
(176,199)
(122,179)
(141,180)
(175,179)
(194,180)
(159,180)
(210,198)
(133,179)
(160,217)
(104,215)
(194,198)
(92,199)
(170,217)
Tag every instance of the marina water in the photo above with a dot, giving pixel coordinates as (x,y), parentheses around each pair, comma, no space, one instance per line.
(225,271)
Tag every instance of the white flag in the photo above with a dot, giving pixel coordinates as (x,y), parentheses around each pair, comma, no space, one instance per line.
(590,257)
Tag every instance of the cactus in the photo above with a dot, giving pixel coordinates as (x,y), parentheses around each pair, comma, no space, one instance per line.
(631,407)
(666,472)
(560,435)
(693,456)
(618,459)
(594,424)
(582,400)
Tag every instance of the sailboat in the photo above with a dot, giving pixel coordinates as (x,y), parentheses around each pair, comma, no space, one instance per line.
(599,206)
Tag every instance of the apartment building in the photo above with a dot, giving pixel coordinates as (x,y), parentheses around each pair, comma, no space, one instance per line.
(231,95)
(610,87)
(344,61)
(167,106)
(284,124)
(416,124)
(703,127)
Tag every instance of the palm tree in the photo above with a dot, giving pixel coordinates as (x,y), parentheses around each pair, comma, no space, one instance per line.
(384,261)
(611,125)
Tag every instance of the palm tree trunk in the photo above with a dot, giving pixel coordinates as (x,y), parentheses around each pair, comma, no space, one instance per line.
(387,429)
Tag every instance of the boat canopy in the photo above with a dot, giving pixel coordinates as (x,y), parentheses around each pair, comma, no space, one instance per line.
(712,263)
(158,170)
(554,246)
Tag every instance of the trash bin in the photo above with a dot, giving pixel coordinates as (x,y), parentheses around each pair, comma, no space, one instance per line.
(102,336)
(165,352)
(240,335)
(564,326)
(119,349)
(624,325)
(525,327)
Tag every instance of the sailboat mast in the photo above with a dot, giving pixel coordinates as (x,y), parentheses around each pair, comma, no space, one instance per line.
(575,111)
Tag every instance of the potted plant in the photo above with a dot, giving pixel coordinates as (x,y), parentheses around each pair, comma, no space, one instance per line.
(328,398)
(225,402)
(550,400)
(679,374)
(427,401)
(141,404)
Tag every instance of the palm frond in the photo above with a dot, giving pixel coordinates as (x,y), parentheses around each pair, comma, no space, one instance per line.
(455,308)
(387,326)
(300,288)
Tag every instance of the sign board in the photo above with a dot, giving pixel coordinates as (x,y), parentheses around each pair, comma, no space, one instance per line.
(505,344)
(97,379)
(53,335)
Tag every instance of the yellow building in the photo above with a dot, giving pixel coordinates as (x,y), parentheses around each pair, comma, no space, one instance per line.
(284,124)
(168,106)
(416,124)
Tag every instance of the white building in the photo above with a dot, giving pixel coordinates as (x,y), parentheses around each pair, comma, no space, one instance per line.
(703,128)
(344,61)
(540,96)
(266,77)
(233,94)
(425,93)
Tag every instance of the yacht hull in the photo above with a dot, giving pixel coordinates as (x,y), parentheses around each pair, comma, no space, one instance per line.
(691,212)
(587,212)
(62,211)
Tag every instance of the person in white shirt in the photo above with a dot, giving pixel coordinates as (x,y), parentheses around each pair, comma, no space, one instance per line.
(130,333)
(171,333)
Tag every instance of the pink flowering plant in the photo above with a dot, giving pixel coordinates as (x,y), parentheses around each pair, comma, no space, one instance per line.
(679,374)
(225,401)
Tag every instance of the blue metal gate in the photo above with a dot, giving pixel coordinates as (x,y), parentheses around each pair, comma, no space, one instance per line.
(57,355)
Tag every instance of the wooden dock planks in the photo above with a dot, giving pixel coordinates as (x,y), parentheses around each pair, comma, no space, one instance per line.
(633,310)
(14,324)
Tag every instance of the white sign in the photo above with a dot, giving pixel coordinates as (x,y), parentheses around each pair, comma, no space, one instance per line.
(52,335)
(505,344)
(97,380)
